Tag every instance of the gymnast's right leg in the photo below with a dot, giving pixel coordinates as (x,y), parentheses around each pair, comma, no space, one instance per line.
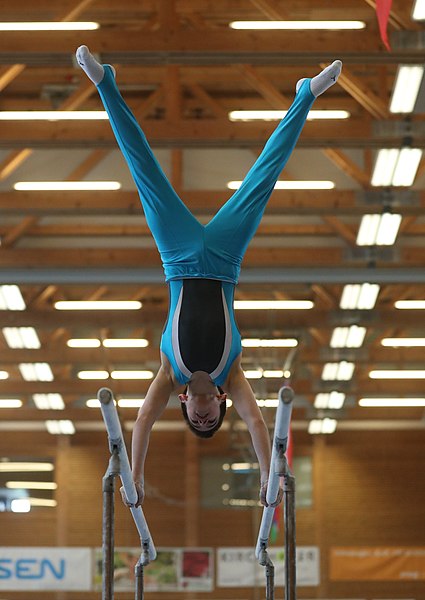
(173,226)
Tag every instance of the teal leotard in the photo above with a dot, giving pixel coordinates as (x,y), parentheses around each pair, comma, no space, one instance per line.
(190,250)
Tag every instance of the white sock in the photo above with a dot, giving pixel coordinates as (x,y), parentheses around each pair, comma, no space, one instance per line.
(323,80)
(94,70)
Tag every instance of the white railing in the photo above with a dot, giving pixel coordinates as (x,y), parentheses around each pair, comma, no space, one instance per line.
(117,444)
(277,465)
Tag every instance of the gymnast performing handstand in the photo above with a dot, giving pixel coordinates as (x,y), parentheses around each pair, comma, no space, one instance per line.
(201,344)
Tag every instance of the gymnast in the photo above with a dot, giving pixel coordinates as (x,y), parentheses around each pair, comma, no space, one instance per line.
(201,344)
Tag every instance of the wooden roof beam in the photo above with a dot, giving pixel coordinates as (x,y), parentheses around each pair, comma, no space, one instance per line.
(215,107)
(16,158)
(363,95)
(347,166)
(173,94)
(264,87)
(15,233)
(341,229)
(8,74)
(270,11)
(87,165)
(75,12)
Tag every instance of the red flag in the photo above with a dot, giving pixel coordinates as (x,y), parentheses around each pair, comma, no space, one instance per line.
(289,449)
(383,8)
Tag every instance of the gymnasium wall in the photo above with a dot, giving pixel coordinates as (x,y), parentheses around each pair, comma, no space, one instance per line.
(368,491)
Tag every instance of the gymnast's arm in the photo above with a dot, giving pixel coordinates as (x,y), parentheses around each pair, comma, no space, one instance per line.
(153,406)
(245,404)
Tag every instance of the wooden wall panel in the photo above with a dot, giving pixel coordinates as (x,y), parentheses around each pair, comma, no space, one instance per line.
(369,490)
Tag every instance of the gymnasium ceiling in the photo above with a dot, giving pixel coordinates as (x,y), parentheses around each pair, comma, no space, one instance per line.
(182,69)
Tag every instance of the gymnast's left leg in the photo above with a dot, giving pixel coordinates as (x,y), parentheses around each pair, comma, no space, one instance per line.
(232,228)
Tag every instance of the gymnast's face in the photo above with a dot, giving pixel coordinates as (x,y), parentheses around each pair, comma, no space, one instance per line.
(203,410)
(202,400)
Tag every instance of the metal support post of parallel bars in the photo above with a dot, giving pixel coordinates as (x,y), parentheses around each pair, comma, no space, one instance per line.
(279,468)
(108,489)
(119,465)
(290,536)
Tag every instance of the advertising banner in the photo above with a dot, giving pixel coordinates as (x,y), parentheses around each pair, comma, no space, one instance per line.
(39,568)
(174,570)
(238,567)
(377,564)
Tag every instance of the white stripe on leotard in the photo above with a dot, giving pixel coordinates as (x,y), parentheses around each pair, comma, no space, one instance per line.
(227,340)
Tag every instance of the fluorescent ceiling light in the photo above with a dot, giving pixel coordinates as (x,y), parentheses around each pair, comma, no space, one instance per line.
(31,485)
(94,403)
(130,402)
(332,25)
(11,298)
(397,374)
(267,373)
(277,343)
(98,305)
(253,373)
(359,296)
(122,403)
(396,167)
(4,375)
(332,400)
(21,337)
(47,502)
(244,466)
(418,13)
(132,374)
(20,505)
(60,186)
(49,26)
(273,304)
(48,401)
(378,230)
(61,427)
(40,371)
(24,467)
(125,343)
(291,185)
(407,166)
(410,304)
(83,343)
(273,374)
(406,88)
(277,115)
(339,371)
(53,115)
(108,343)
(10,403)
(392,402)
(268,403)
(240,502)
(403,342)
(93,375)
(348,337)
(318,426)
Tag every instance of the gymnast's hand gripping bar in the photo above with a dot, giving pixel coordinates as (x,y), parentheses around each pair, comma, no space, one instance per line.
(278,467)
(117,444)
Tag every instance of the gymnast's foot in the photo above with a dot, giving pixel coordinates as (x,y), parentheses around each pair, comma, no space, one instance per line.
(94,70)
(323,80)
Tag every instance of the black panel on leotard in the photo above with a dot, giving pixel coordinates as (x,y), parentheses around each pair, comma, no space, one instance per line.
(202,326)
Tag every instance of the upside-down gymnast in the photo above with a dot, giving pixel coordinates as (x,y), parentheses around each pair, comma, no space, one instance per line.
(201,345)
